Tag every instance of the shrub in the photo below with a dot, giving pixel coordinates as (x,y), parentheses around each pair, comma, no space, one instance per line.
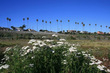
(47,60)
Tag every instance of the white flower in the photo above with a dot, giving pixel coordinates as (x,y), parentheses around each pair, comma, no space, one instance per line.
(25,47)
(108,70)
(62,40)
(34,47)
(28,50)
(101,67)
(49,40)
(32,41)
(83,52)
(53,51)
(31,65)
(72,49)
(40,43)
(4,66)
(7,49)
(59,42)
(64,62)
(99,62)
(54,35)
(43,36)
(32,57)
(6,57)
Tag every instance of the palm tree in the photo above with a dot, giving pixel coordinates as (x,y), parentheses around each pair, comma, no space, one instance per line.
(57,25)
(27,21)
(61,24)
(90,28)
(76,23)
(7,21)
(95,27)
(82,23)
(42,24)
(83,26)
(24,21)
(101,27)
(109,27)
(68,24)
(23,26)
(13,28)
(50,25)
(106,28)
(46,25)
(37,24)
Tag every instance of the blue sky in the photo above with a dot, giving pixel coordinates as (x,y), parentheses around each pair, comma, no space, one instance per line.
(87,11)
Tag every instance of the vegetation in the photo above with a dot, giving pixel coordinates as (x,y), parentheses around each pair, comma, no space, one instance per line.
(46,59)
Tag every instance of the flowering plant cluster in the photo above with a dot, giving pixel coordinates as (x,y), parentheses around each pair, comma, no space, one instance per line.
(49,56)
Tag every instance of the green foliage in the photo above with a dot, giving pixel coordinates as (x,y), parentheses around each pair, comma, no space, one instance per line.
(48,60)
(109,54)
(98,38)
(73,38)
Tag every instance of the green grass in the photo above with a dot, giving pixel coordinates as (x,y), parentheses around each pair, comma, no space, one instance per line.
(97,48)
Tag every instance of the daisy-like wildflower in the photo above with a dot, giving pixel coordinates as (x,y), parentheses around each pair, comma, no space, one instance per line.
(72,49)
(108,70)
(7,49)
(31,41)
(101,67)
(62,40)
(4,66)
(25,47)
(64,62)
(49,40)
(54,35)
(31,65)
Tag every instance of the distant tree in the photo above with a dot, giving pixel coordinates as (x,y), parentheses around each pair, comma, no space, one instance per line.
(50,25)
(57,25)
(23,20)
(23,26)
(7,21)
(101,27)
(109,28)
(95,27)
(13,27)
(82,23)
(106,28)
(83,26)
(42,24)
(27,18)
(61,24)
(37,24)
(27,21)
(77,24)
(69,24)
(90,27)
(46,25)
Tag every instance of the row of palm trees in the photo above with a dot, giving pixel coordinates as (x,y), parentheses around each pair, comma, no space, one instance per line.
(58,29)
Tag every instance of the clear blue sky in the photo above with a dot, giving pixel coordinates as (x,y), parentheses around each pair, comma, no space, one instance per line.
(87,11)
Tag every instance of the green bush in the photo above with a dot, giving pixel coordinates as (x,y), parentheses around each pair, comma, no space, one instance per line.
(47,60)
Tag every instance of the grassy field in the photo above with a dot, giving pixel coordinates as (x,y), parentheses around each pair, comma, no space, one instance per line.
(9,43)
(95,46)
(99,48)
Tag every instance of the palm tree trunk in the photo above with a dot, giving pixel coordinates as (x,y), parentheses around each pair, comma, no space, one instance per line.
(57,26)
(37,27)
